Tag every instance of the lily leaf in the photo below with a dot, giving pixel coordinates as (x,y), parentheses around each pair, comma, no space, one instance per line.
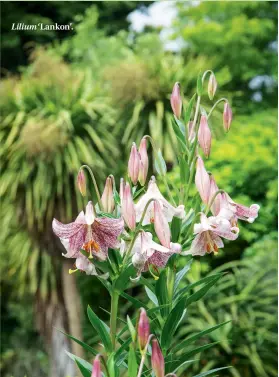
(101,328)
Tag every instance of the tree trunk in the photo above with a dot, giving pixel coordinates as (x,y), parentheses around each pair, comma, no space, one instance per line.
(73,306)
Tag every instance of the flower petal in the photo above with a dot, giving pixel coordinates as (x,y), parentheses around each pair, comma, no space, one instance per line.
(65,230)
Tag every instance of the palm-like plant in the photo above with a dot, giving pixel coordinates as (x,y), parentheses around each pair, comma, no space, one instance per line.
(53,119)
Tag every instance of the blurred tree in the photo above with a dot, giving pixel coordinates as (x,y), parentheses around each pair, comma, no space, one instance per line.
(54,119)
(241,36)
(15,43)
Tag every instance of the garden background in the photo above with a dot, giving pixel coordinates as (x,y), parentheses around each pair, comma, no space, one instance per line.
(82,96)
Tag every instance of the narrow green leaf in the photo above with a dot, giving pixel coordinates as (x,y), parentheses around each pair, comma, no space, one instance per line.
(122,349)
(192,338)
(131,328)
(84,363)
(82,344)
(173,320)
(184,170)
(162,292)
(210,372)
(160,164)
(101,328)
(189,109)
(152,296)
(122,281)
(180,274)
(201,292)
(111,365)
(132,362)
(84,371)
(175,228)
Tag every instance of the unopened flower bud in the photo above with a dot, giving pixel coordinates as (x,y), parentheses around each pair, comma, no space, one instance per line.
(204,136)
(157,360)
(81,182)
(143,329)
(212,86)
(227,117)
(176,100)
(128,208)
(143,168)
(107,197)
(96,370)
(161,225)
(133,164)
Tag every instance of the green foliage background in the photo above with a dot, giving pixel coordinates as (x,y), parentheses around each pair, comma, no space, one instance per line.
(83,98)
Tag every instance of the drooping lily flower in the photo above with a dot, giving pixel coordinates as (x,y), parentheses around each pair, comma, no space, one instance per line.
(128,208)
(240,211)
(216,205)
(143,167)
(147,252)
(208,234)
(202,181)
(107,197)
(85,265)
(204,136)
(153,192)
(134,164)
(87,232)
(176,100)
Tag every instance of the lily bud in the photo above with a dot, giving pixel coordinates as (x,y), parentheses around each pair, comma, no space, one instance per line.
(204,136)
(161,225)
(212,86)
(143,168)
(157,359)
(81,182)
(107,197)
(96,370)
(176,100)
(202,181)
(143,329)
(133,164)
(227,117)
(128,208)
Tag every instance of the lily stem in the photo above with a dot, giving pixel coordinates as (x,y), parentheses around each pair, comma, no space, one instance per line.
(113,316)
(95,185)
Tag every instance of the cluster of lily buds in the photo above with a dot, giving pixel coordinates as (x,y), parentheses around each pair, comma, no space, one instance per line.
(138,163)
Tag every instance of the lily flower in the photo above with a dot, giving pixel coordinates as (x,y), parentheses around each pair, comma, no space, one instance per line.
(202,181)
(87,232)
(85,265)
(153,192)
(208,234)
(240,211)
(147,252)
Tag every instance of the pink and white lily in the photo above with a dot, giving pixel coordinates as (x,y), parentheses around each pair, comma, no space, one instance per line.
(89,233)
(153,192)
(147,252)
(209,233)
(240,212)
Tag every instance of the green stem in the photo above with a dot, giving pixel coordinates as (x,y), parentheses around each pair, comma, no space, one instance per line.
(170,284)
(95,184)
(215,104)
(113,316)
(190,181)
